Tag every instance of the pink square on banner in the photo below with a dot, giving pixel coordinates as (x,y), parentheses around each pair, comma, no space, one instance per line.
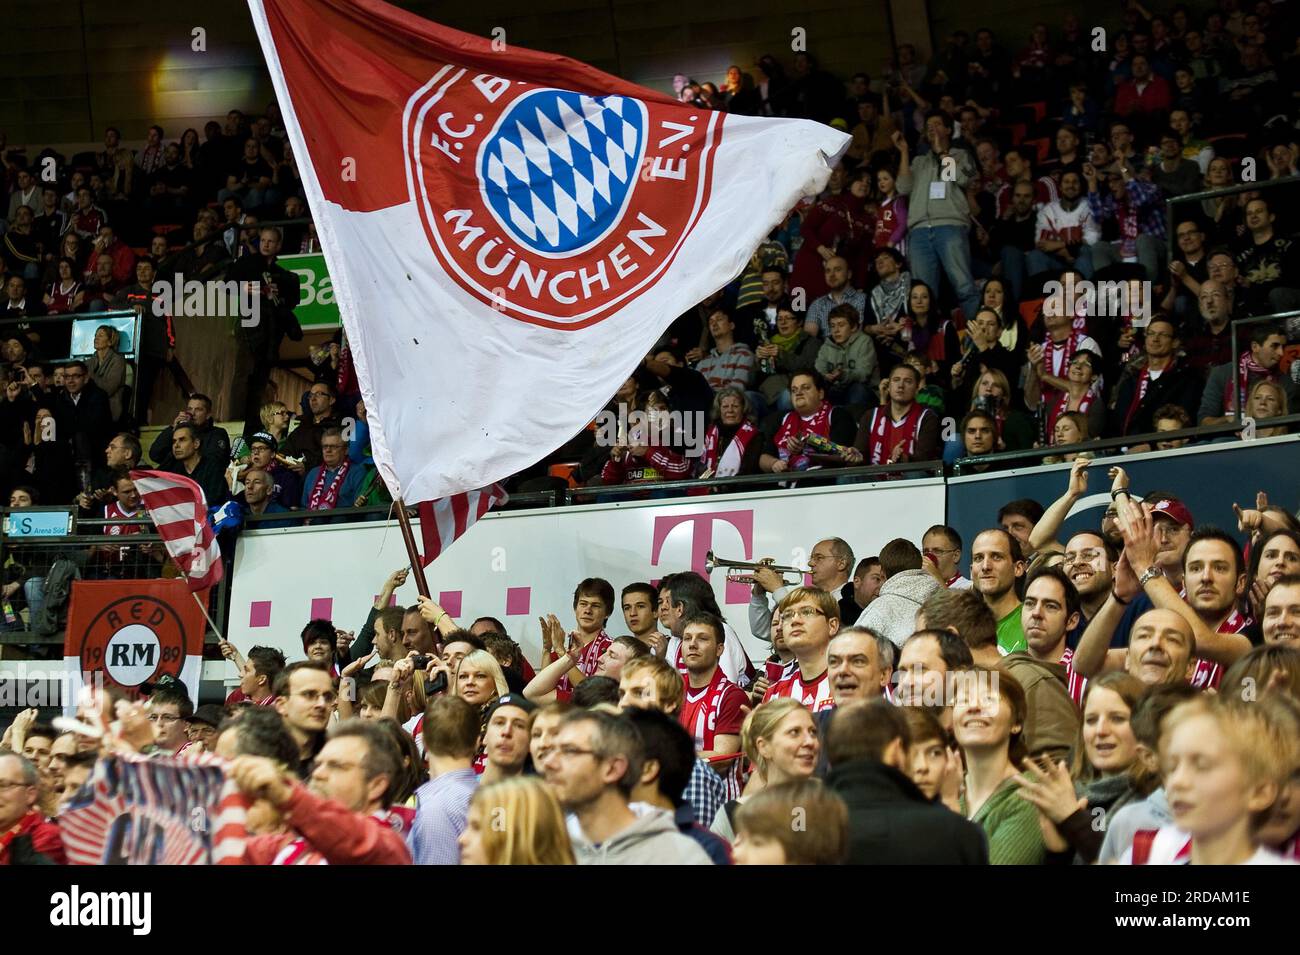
(518,600)
(322,608)
(259,613)
(449,600)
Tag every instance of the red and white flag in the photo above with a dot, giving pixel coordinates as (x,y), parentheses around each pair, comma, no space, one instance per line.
(508,232)
(177,508)
(442,521)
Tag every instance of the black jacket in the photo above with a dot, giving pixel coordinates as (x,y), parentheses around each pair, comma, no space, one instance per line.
(276,319)
(892,823)
(87,423)
(1179,385)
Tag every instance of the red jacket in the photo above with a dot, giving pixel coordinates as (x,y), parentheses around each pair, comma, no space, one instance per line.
(45,836)
(342,836)
(123,261)
(1154,97)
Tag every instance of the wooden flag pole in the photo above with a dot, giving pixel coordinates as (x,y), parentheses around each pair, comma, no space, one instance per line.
(412,552)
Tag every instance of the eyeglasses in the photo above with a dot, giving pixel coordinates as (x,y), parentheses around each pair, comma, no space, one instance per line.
(1082,557)
(165,718)
(311,696)
(807,613)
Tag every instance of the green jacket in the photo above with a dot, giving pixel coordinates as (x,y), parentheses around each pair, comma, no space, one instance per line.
(1011,825)
(857,357)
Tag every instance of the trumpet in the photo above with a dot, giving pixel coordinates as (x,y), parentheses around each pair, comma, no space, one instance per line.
(711,563)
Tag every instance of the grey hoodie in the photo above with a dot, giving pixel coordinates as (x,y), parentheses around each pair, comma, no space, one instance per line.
(893,613)
(652,840)
(1151,813)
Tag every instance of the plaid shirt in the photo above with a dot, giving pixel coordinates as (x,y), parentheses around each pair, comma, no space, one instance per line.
(735,366)
(1143,201)
(705,792)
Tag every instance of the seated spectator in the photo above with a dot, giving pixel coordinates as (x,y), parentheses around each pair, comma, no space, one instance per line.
(902,430)
(848,359)
(891,821)
(256,497)
(286,483)
(731,362)
(988,721)
(1020,168)
(1132,208)
(839,291)
(1065,231)
(786,352)
(1267,399)
(87,218)
(1169,169)
(1146,94)
(1171,418)
(813,415)
(198,414)
(36,839)
(1049,363)
(732,445)
(1188,269)
(1227,388)
(206,258)
(304,443)
(977,437)
(981,351)
(66,293)
(108,245)
(764,835)
(1013,235)
(1071,428)
(336,481)
(1268,263)
(108,369)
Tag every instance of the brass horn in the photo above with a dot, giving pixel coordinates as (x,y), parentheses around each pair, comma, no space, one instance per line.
(711,563)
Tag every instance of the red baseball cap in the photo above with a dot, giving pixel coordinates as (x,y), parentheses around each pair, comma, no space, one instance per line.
(1174,510)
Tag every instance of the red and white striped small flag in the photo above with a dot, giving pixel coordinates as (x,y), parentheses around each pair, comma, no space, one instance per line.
(443,520)
(177,507)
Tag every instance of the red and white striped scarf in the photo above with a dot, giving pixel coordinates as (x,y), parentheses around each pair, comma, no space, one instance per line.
(725,462)
(796,425)
(327,498)
(886,433)
(1207,673)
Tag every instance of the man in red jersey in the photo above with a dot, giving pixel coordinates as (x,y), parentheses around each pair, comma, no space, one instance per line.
(809,618)
(711,712)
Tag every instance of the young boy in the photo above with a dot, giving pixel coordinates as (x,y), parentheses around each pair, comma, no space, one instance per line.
(848,359)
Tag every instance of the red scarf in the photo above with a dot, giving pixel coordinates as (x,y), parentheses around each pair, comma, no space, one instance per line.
(726,462)
(1049,354)
(1245,368)
(1207,673)
(347,375)
(886,433)
(326,498)
(1140,392)
(1063,406)
(796,425)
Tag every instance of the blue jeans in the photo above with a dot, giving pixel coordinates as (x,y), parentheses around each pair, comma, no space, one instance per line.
(931,249)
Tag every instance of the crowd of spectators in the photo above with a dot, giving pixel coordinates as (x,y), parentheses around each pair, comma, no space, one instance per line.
(1130,694)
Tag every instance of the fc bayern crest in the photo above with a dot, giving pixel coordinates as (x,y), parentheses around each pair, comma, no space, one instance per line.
(135,640)
(551,206)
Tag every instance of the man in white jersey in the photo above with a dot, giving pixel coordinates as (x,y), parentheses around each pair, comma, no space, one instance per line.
(809,618)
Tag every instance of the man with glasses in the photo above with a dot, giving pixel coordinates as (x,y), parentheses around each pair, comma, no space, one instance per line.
(831,564)
(1188,268)
(84,419)
(593,768)
(336,481)
(1090,565)
(305,441)
(1211,340)
(1152,380)
(305,696)
(340,817)
(169,708)
(809,618)
(26,836)
(942,546)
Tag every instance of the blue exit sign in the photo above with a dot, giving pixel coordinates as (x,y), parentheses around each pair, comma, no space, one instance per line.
(37,523)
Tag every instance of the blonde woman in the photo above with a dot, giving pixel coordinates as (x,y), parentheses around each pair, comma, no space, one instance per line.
(780,739)
(1266,400)
(479,680)
(516,821)
(108,368)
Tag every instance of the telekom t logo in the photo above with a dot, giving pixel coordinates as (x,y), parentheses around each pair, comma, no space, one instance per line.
(702,542)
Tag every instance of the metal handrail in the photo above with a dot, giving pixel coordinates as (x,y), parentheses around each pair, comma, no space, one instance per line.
(1237,325)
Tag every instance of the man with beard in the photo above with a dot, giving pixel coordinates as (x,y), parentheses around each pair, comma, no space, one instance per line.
(1065,231)
(1281,621)
(305,696)
(339,818)
(712,710)
(1053,691)
(996,570)
(505,740)
(1090,564)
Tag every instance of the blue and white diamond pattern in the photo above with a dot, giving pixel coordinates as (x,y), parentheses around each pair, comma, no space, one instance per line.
(559,168)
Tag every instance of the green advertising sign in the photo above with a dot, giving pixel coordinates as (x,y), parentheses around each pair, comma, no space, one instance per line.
(316,308)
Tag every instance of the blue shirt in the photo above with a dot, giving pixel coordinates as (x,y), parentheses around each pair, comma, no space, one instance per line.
(441,812)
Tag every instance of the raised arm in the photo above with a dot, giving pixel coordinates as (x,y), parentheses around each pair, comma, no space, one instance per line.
(1044,531)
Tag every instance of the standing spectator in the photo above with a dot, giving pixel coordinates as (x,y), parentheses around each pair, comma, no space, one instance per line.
(87,218)
(1268,263)
(1049,363)
(939,216)
(305,441)
(1013,239)
(891,822)
(893,613)
(595,764)
(1145,95)
(188,457)
(451,728)
(997,566)
(1188,268)
(988,720)
(198,414)
(1133,207)
(83,415)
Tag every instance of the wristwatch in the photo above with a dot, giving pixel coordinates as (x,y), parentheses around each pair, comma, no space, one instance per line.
(1149,574)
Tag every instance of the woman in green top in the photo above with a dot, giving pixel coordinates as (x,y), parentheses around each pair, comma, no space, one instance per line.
(988,719)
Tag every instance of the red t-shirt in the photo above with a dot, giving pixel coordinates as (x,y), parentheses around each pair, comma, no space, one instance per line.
(713,710)
(45,836)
